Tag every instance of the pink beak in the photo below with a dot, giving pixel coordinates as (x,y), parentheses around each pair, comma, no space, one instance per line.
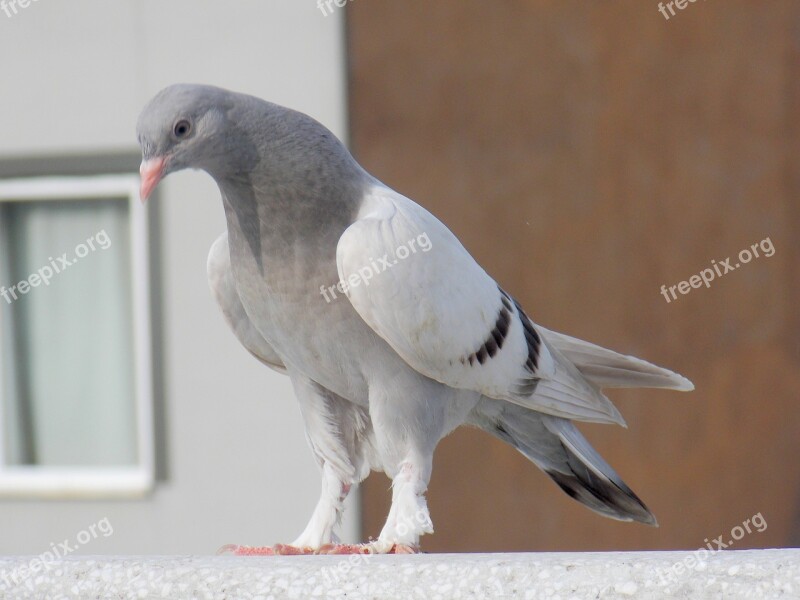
(152,170)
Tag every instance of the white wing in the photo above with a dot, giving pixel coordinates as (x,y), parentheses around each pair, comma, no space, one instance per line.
(220,278)
(413,282)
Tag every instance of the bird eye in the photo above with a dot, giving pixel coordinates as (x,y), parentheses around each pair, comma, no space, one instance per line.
(182,128)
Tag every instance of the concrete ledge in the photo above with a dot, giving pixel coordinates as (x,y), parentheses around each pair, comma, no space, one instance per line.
(750,574)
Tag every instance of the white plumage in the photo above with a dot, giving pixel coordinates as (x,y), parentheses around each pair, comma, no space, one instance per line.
(422,341)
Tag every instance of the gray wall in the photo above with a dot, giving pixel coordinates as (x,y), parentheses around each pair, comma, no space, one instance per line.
(75,76)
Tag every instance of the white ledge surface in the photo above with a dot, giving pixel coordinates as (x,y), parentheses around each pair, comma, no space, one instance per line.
(750,574)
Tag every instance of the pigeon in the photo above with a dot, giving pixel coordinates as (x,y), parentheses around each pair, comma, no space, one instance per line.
(390,332)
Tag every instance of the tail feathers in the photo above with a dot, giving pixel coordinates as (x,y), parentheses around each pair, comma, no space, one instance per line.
(557,447)
(606,368)
(592,480)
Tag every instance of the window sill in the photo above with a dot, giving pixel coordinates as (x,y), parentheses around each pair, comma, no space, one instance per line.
(74,484)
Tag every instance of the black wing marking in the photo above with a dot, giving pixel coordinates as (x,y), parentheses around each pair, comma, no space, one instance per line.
(527,385)
(496,338)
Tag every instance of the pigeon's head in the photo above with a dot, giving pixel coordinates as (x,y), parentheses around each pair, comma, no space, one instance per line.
(186,126)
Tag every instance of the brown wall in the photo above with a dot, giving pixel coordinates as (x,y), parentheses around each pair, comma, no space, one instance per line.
(587,153)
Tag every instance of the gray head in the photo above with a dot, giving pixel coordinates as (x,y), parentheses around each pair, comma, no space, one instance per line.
(190,126)
(229,135)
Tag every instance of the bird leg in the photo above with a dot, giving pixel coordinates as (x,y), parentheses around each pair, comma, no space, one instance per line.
(327,514)
(408,517)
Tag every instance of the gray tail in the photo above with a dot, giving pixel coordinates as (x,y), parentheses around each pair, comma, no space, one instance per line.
(557,447)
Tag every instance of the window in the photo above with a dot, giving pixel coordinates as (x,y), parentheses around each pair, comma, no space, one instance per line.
(75,349)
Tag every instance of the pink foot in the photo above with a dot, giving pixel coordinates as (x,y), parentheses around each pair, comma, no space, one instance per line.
(403,549)
(344,549)
(276,550)
(287,550)
(365,549)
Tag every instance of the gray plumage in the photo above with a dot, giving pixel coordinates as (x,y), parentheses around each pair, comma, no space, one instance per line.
(419,343)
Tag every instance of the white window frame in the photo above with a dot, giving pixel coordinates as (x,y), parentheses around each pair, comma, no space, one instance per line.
(95,482)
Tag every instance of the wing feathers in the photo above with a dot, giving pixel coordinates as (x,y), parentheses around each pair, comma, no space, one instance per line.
(606,368)
(450,321)
(496,338)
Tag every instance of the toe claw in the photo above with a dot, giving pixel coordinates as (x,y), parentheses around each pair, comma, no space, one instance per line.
(327,549)
(228,549)
(236,550)
(287,550)
(344,549)
(404,549)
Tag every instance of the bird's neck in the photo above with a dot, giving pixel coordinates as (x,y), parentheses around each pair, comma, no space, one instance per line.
(278,223)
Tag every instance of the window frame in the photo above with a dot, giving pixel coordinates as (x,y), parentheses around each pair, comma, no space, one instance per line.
(95,482)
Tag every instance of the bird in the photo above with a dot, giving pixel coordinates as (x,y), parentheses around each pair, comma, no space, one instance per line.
(391,333)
